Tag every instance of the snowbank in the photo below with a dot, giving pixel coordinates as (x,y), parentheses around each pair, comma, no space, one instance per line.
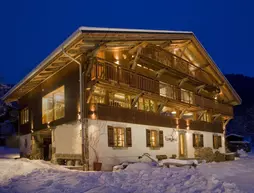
(39,176)
(242,153)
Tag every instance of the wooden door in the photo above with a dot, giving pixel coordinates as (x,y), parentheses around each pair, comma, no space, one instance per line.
(182,145)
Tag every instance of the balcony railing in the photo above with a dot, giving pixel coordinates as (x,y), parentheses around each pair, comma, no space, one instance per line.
(213,104)
(107,71)
(215,127)
(111,72)
(111,113)
(170,60)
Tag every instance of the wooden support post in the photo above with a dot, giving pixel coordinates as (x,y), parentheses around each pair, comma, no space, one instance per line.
(135,100)
(180,82)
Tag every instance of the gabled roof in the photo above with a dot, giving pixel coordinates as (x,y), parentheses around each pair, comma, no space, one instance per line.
(86,39)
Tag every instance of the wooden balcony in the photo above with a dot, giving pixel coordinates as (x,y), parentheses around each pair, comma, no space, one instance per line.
(107,71)
(215,127)
(173,62)
(110,113)
(214,105)
(113,73)
(118,114)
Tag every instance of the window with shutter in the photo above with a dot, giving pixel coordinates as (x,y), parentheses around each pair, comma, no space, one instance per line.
(198,140)
(110,136)
(128,137)
(148,134)
(161,139)
(119,137)
(217,141)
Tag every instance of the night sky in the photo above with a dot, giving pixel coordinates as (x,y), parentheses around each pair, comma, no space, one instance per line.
(32,29)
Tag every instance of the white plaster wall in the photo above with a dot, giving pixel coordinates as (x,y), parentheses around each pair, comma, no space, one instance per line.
(111,156)
(208,142)
(66,138)
(25,150)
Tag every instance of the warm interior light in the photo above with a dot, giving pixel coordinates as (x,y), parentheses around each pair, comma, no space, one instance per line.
(117,62)
(173,112)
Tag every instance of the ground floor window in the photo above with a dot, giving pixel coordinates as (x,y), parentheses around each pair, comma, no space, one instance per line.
(217,141)
(154,138)
(198,140)
(119,137)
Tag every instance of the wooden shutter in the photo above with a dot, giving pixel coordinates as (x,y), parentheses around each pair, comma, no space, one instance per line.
(161,139)
(214,145)
(193,140)
(148,135)
(110,136)
(219,141)
(128,137)
(201,142)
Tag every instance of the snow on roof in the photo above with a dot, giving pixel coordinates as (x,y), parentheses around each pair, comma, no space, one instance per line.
(83,28)
(236,135)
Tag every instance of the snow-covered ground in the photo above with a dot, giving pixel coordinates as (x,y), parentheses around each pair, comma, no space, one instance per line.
(24,175)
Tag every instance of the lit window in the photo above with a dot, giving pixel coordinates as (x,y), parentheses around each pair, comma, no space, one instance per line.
(198,140)
(217,141)
(24,116)
(153,138)
(53,105)
(186,96)
(146,104)
(205,117)
(119,139)
(167,91)
(98,95)
(119,100)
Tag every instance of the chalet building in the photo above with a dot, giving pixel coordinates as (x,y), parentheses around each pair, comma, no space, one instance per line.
(109,95)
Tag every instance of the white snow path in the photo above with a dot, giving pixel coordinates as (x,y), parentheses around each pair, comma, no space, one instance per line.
(38,176)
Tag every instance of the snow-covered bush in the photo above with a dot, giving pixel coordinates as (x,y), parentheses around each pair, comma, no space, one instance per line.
(241,153)
(204,153)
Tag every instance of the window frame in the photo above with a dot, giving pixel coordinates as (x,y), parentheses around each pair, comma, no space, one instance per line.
(53,109)
(113,140)
(217,141)
(199,143)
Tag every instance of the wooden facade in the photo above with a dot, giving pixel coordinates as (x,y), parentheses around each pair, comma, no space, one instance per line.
(135,64)
(67,77)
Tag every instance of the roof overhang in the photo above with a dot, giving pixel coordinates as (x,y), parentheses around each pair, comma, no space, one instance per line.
(86,39)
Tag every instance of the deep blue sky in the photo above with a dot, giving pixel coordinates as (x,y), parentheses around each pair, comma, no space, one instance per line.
(31,29)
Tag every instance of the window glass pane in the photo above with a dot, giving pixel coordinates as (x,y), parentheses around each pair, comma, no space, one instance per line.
(140,103)
(53,105)
(146,105)
(152,106)
(153,138)
(119,139)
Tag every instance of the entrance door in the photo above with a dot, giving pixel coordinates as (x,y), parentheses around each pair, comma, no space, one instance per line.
(46,148)
(182,145)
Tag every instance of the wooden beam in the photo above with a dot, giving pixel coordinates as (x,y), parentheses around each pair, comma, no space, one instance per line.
(134,64)
(135,48)
(180,82)
(160,72)
(199,88)
(166,44)
(201,115)
(216,117)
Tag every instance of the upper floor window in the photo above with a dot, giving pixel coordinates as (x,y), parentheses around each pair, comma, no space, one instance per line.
(168,91)
(24,116)
(146,104)
(119,100)
(217,141)
(187,96)
(98,95)
(198,140)
(119,137)
(53,105)
(205,117)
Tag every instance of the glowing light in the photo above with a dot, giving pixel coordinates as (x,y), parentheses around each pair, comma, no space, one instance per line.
(173,112)
(117,62)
